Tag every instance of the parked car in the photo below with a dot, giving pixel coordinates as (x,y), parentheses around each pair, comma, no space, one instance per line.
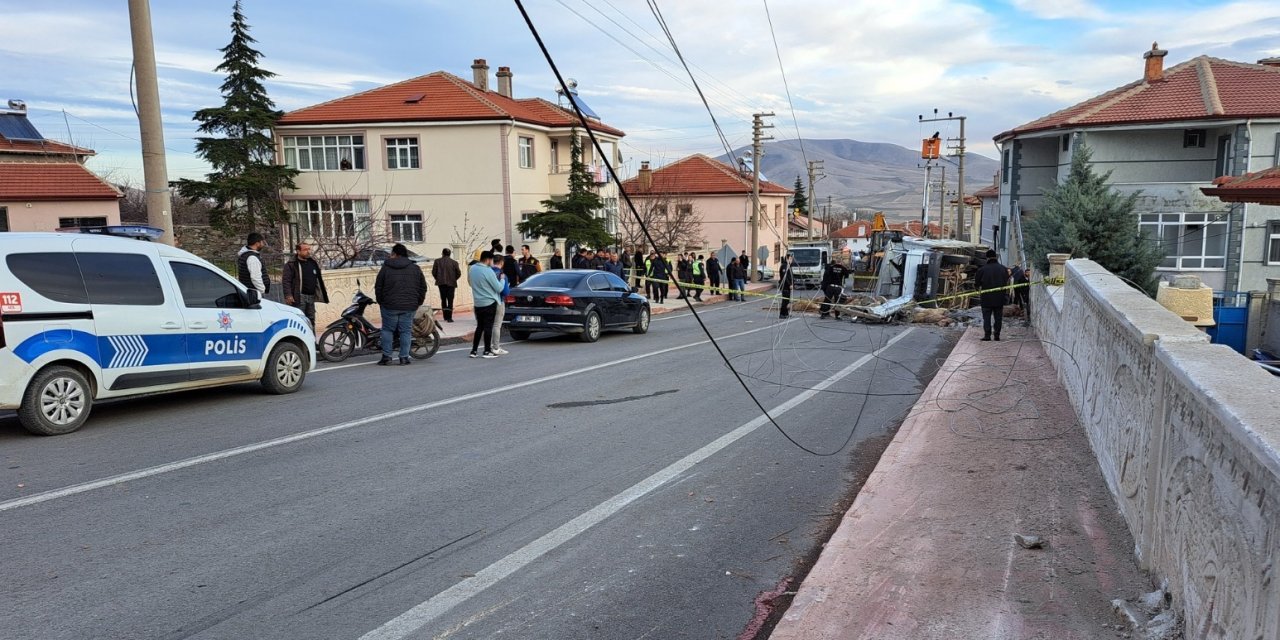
(372,258)
(765,273)
(576,301)
(91,317)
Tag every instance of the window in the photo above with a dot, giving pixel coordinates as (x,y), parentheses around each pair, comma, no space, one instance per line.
(1188,240)
(555,156)
(1006,166)
(1273,242)
(55,276)
(598,283)
(777,215)
(4,219)
(402,153)
(120,279)
(616,283)
(1193,138)
(526,152)
(1224,162)
(324,153)
(1066,142)
(406,227)
(525,216)
(1275,159)
(204,289)
(83,222)
(331,218)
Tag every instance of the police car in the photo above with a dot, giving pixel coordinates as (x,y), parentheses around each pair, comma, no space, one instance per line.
(88,317)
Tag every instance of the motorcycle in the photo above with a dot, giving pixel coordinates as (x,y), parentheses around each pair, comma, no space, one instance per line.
(353,332)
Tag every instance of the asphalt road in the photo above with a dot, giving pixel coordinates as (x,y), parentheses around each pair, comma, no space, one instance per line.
(624,489)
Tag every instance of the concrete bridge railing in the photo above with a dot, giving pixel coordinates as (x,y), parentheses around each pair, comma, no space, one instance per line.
(1187,434)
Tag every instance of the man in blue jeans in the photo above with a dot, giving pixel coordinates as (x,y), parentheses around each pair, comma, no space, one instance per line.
(401,288)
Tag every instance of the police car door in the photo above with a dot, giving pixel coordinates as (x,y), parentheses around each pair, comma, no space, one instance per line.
(139,325)
(225,338)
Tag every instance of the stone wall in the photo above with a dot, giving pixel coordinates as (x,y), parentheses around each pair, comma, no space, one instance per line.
(342,284)
(1187,435)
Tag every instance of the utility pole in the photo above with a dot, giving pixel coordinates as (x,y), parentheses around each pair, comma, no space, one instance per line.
(826,221)
(942,203)
(155,174)
(814,167)
(924,205)
(961,233)
(757,153)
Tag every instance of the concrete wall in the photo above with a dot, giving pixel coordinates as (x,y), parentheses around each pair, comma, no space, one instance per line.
(1187,435)
(342,284)
(43,215)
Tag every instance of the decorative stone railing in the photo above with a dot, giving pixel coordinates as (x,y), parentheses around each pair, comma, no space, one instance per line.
(1187,435)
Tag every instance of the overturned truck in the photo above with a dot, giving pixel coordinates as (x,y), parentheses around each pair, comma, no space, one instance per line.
(911,274)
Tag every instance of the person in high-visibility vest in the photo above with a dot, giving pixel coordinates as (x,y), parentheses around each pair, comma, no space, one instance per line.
(699,277)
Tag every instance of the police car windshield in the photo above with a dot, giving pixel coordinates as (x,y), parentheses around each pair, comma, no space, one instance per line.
(807,257)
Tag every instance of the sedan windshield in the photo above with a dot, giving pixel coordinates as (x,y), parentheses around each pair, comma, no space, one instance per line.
(553,280)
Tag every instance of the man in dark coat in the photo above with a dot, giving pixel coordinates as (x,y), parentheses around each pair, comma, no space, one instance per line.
(447,273)
(557,260)
(786,280)
(637,266)
(511,268)
(713,273)
(660,273)
(1022,290)
(990,280)
(303,283)
(684,274)
(401,289)
(833,286)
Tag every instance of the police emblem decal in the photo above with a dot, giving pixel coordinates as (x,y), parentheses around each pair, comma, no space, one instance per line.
(224,321)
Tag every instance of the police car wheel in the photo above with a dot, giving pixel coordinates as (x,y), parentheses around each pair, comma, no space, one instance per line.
(57,402)
(286,369)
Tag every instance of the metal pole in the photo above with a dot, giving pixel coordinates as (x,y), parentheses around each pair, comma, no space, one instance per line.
(155,175)
(757,152)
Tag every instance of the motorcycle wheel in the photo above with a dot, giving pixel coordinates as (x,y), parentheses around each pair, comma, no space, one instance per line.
(336,344)
(427,346)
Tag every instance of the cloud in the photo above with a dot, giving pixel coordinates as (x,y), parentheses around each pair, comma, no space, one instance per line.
(1060,9)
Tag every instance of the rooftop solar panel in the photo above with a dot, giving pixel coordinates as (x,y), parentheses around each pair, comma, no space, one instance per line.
(15,126)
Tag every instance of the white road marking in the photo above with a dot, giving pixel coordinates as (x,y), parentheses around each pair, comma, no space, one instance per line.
(409,622)
(92,485)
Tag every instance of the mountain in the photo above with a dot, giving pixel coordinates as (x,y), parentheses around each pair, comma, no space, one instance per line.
(867,175)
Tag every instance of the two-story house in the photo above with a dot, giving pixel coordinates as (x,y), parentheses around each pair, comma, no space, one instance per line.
(411,161)
(44,184)
(1165,136)
(718,196)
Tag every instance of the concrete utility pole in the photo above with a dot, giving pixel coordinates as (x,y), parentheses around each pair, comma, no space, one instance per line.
(924,205)
(757,152)
(155,174)
(961,232)
(942,203)
(815,166)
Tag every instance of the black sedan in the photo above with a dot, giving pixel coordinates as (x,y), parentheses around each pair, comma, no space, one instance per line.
(577,301)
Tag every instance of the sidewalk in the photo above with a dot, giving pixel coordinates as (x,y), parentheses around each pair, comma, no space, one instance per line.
(927,551)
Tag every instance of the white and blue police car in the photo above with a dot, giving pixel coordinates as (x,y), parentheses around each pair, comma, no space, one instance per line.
(89,317)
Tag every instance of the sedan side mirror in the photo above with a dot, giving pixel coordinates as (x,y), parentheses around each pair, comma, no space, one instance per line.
(635,289)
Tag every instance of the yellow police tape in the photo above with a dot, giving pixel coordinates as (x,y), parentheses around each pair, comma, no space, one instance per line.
(770,296)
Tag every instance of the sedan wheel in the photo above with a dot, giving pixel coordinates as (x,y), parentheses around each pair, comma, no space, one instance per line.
(642,325)
(591,328)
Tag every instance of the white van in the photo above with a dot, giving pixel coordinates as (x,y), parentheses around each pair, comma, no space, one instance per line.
(90,317)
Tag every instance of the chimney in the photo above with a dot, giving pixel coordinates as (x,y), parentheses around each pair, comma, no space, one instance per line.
(504,81)
(480,74)
(1270,62)
(645,176)
(1155,63)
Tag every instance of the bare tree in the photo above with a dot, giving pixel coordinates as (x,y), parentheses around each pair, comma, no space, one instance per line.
(469,235)
(343,235)
(672,219)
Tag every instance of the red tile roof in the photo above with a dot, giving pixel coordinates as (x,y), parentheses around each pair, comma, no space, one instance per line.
(436,97)
(35,181)
(1262,187)
(700,175)
(989,191)
(859,229)
(1203,88)
(42,147)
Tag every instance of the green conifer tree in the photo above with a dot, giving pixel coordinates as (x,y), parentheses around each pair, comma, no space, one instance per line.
(576,216)
(1086,218)
(246,183)
(800,201)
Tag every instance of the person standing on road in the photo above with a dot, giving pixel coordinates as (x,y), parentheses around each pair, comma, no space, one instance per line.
(731,274)
(786,280)
(249,268)
(557,260)
(303,283)
(991,280)
(832,287)
(500,270)
(612,265)
(638,267)
(579,260)
(684,274)
(713,273)
(625,262)
(699,271)
(511,267)
(400,288)
(446,273)
(660,274)
(486,291)
(1022,290)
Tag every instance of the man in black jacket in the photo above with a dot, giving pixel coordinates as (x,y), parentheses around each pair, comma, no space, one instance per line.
(511,267)
(447,272)
(713,273)
(303,283)
(833,286)
(401,289)
(786,280)
(990,279)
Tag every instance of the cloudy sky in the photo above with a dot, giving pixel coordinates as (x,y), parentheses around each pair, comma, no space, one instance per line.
(857,69)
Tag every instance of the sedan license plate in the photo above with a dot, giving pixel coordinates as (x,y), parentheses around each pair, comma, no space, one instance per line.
(528,318)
